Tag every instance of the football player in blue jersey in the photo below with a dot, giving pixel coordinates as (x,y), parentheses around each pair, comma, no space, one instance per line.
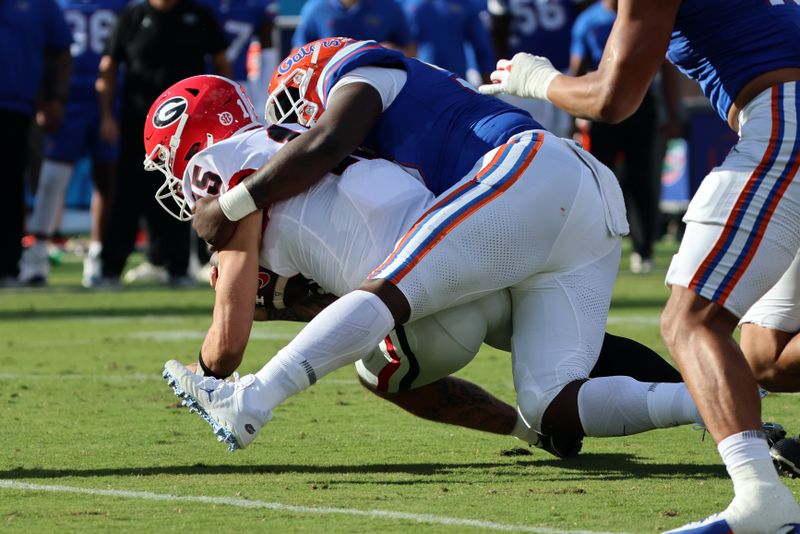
(558,315)
(91,22)
(243,21)
(739,257)
(358,93)
(378,20)
(442,28)
(542,28)
(34,81)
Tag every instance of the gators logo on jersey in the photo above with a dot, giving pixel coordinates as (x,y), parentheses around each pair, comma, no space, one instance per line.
(169,111)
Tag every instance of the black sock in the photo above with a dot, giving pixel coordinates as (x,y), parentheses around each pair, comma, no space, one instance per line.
(621,356)
(206,370)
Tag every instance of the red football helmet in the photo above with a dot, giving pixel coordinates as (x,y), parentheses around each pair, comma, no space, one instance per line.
(292,89)
(191,115)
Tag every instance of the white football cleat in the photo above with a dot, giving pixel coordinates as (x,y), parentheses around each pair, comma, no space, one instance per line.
(219,403)
(92,269)
(34,265)
(770,509)
(146,273)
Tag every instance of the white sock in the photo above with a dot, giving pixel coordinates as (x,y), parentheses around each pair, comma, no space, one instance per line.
(523,431)
(342,334)
(761,502)
(748,448)
(95,249)
(620,406)
(671,405)
(53,179)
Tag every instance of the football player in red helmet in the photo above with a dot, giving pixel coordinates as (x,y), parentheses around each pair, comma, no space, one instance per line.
(191,115)
(233,153)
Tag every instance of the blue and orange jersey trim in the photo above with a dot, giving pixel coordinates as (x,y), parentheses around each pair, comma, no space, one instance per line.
(745,201)
(505,168)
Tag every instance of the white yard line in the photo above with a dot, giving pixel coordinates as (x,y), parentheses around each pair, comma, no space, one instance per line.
(292,508)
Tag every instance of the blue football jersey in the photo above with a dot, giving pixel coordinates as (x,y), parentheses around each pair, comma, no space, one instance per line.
(91,22)
(240,20)
(442,27)
(438,124)
(590,33)
(540,27)
(378,20)
(723,44)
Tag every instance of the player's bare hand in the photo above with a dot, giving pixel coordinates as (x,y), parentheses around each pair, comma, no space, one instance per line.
(211,224)
(109,130)
(50,115)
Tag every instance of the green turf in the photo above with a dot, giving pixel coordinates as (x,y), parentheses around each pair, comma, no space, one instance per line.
(82,405)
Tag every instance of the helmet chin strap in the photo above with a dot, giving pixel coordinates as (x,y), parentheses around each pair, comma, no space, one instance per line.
(175,140)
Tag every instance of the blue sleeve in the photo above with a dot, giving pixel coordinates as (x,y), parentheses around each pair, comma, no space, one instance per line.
(304,33)
(58,36)
(411,11)
(478,36)
(401,35)
(577,45)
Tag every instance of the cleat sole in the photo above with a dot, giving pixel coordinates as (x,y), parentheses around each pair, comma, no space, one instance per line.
(223,435)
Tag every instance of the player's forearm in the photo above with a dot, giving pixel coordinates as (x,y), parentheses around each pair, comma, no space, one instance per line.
(632,55)
(592,97)
(294,169)
(349,117)
(58,69)
(235,290)
(105,85)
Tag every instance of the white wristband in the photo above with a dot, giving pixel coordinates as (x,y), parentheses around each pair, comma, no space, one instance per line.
(237,203)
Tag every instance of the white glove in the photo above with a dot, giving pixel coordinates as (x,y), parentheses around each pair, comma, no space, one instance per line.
(525,75)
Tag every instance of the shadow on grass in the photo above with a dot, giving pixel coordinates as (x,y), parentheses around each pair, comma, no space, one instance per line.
(588,466)
(105,312)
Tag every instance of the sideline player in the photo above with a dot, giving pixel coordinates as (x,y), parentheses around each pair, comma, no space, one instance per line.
(542,28)
(546,356)
(242,21)
(743,224)
(91,22)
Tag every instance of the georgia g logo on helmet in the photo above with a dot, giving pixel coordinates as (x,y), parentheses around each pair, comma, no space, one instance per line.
(169,111)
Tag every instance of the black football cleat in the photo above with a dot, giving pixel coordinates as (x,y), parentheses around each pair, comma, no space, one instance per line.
(786,456)
(774,432)
(559,447)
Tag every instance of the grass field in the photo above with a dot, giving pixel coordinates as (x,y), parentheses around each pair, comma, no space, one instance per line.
(92,439)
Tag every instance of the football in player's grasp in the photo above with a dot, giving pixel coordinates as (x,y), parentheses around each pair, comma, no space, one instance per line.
(279,292)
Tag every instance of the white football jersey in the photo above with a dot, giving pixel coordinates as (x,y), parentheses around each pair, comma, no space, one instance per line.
(335,233)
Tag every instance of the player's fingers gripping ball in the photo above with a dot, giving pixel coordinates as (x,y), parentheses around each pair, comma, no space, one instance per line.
(525,75)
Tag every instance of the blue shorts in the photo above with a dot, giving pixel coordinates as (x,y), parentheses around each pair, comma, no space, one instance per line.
(79,135)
